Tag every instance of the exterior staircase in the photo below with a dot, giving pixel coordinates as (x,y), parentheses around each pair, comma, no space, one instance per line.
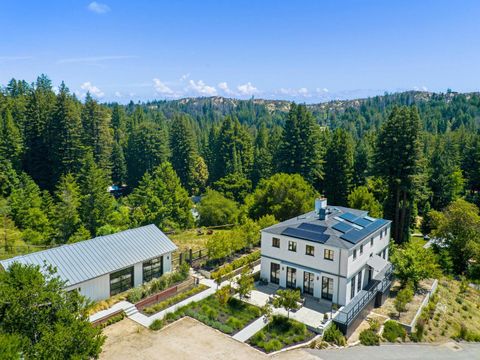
(131,310)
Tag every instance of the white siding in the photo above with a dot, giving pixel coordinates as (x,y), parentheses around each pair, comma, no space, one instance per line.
(99,288)
(95,289)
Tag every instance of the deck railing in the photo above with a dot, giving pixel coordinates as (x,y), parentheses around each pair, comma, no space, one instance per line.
(346,316)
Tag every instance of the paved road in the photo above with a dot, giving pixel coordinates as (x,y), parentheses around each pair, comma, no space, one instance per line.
(448,351)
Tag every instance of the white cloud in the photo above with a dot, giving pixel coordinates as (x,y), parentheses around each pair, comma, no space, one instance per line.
(224,87)
(92,89)
(98,8)
(247,89)
(184,77)
(161,88)
(118,94)
(301,92)
(424,88)
(324,90)
(201,88)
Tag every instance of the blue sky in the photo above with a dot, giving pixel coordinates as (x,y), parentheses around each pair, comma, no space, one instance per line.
(307,51)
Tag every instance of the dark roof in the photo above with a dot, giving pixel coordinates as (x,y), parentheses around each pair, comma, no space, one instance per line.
(343,228)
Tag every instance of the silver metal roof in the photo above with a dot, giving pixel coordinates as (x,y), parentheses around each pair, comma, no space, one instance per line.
(102,255)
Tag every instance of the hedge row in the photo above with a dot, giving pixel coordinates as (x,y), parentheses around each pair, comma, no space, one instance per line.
(236,264)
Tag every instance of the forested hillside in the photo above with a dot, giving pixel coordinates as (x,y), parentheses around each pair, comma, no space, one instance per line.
(397,155)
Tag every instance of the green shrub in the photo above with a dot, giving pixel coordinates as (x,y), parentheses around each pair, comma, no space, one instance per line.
(393,330)
(135,295)
(156,325)
(272,345)
(258,338)
(113,320)
(234,323)
(369,338)
(374,324)
(236,264)
(417,335)
(173,300)
(404,296)
(212,314)
(333,335)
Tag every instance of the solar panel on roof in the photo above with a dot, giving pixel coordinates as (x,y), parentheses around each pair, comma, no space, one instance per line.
(342,227)
(312,227)
(362,222)
(305,234)
(357,235)
(349,217)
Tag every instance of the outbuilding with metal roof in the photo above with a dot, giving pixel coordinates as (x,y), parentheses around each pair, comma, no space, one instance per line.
(107,265)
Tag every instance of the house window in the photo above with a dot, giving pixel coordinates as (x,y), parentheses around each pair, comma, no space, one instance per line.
(327,288)
(292,246)
(361,249)
(274,273)
(384,254)
(352,287)
(308,280)
(371,241)
(121,281)
(359,281)
(310,250)
(291,277)
(276,242)
(152,269)
(354,254)
(328,254)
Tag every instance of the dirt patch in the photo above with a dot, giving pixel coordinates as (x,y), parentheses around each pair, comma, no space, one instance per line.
(184,339)
(388,308)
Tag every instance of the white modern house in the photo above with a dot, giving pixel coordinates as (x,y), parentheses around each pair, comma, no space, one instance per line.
(107,265)
(335,254)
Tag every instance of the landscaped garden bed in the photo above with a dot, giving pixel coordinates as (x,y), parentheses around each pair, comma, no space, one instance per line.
(229,318)
(175,299)
(281,332)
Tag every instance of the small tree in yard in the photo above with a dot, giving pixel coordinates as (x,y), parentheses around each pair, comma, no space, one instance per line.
(413,263)
(244,284)
(404,296)
(224,294)
(287,299)
(267,312)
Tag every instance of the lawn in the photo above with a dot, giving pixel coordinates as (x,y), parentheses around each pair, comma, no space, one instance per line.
(281,332)
(229,318)
(454,306)
(190,239)
(418,239)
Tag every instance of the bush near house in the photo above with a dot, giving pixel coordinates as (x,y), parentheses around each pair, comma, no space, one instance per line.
(392,331)
(369,337)
(281,332)
(236,264)
(333,335)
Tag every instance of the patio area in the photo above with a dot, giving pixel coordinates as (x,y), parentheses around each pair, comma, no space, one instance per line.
(310,313)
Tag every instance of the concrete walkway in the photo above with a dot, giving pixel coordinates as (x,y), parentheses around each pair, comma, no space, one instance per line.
(250,330)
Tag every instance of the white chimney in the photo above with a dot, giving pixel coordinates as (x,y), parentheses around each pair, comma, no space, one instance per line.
(320,203)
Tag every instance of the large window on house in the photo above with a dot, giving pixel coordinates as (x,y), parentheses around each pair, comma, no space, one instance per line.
(354,254)
(152,269)
(292,246)
(276,242)
(359,281)
(291,277)
(274,273)
(352,287)
(121,281)
(308,280)
(327,288)
(328,254)
(310,250)
(361,249)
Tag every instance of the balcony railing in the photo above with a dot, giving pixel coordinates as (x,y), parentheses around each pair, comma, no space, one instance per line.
(358,303)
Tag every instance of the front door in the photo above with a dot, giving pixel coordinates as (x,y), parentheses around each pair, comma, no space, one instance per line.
(308,279)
